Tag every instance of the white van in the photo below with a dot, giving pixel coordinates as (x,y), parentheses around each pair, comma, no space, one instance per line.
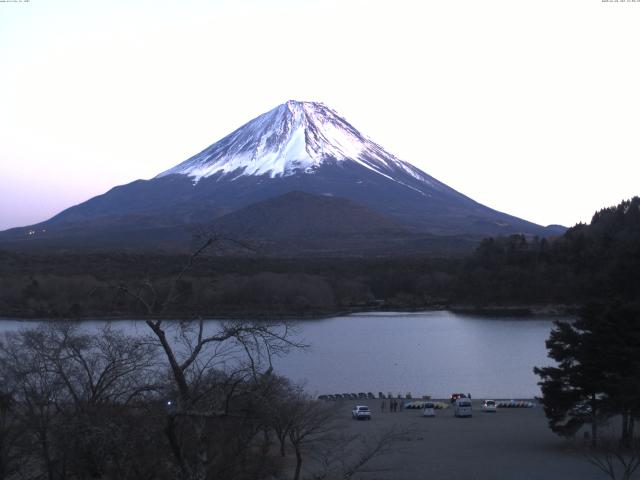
(429,409)
(463,408)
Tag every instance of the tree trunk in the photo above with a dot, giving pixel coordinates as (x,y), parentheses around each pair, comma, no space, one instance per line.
(282,439)
(625,429)
(266,442)
(202,455)
(44,442)
(174,444)
(594,422)
(178,373)
(296,475)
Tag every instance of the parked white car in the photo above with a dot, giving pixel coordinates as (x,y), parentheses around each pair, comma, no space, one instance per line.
(429,410)
(361,412)
(462,408)
(489,406)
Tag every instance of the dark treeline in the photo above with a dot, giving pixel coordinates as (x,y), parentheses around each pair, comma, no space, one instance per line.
(88,285)
(599,260)
(589,262)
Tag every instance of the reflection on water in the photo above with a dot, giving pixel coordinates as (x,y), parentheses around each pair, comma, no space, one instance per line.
(434,353)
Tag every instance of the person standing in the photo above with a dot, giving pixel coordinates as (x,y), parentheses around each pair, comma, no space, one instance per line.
(382,405)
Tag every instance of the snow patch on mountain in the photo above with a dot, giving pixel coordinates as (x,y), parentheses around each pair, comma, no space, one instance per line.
(295,137)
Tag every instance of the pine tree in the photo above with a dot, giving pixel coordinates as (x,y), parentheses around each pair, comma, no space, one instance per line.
(572,391)
(598,370)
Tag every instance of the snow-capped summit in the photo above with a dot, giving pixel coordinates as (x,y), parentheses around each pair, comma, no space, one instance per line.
(348,189)
(295,137)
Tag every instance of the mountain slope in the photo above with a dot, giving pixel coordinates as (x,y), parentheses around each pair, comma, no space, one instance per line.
(303,214)
(299,223)
(298,146)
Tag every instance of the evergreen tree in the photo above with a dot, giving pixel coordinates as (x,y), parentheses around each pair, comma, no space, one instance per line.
(598,370)
(572,391)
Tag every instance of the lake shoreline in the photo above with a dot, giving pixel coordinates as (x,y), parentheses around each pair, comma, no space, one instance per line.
(479,310)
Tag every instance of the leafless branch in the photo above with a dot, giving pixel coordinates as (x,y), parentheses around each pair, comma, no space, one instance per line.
(614,458)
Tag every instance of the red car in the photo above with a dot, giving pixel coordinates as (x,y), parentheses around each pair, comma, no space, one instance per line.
(455,396)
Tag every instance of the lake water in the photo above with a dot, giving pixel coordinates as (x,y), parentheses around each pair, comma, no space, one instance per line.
(426,353)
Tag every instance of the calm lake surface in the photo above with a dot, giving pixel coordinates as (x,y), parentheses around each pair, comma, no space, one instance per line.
(426,353)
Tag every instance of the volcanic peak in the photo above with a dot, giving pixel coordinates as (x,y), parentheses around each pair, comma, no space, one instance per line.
(295,137)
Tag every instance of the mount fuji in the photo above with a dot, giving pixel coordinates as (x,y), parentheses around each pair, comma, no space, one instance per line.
(244,182)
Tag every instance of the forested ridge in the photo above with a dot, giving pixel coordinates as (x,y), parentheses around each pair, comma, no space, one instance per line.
(596,260)
(590,261)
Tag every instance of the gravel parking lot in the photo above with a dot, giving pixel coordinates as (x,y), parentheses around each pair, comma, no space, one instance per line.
(511,444)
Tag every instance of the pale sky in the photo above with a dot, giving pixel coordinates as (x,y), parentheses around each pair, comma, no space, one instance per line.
(531,107)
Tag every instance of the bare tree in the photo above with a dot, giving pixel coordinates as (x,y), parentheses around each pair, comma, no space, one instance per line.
(209,365)
(11,433)
(617,459)
(310,420)
(39,393)
(69,390)
(108,367)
